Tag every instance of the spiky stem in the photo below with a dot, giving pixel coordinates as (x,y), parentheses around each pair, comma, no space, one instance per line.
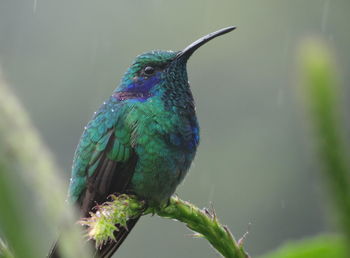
(204,222)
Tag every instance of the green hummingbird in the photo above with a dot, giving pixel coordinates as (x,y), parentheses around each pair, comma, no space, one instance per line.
(142,140)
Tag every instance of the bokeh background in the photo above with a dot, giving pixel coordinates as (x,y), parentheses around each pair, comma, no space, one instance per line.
(63,58)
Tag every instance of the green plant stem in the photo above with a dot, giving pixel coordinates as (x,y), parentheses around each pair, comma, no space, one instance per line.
(102,223)
(322,92)
(205,223)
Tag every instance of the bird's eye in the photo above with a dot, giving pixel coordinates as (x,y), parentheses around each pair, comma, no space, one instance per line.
(149,70)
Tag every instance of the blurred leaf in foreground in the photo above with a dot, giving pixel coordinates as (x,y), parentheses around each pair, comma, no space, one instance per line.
(318,247)
(4,250)
(26,164)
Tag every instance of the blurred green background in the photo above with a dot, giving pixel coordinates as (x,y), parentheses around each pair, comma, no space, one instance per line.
(63,58)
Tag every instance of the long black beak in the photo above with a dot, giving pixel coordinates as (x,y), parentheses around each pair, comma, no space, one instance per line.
(188,51)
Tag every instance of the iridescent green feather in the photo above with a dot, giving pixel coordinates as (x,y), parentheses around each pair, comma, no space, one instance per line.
(105,129)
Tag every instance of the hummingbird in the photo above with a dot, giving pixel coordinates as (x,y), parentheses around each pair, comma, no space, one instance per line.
(142,140)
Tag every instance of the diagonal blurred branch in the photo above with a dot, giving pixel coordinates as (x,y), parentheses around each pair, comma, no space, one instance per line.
(26,163)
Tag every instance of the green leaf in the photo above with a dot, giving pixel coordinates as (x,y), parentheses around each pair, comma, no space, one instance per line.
(324,246)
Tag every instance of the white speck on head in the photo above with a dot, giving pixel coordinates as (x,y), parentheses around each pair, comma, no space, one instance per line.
(95,113)
(85,127)
(104,103)
(112,110)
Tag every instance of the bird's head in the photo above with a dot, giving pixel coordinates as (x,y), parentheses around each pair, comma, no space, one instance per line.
(160,72)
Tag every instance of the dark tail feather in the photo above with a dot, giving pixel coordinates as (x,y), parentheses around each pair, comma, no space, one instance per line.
(107,250)
(111,247)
